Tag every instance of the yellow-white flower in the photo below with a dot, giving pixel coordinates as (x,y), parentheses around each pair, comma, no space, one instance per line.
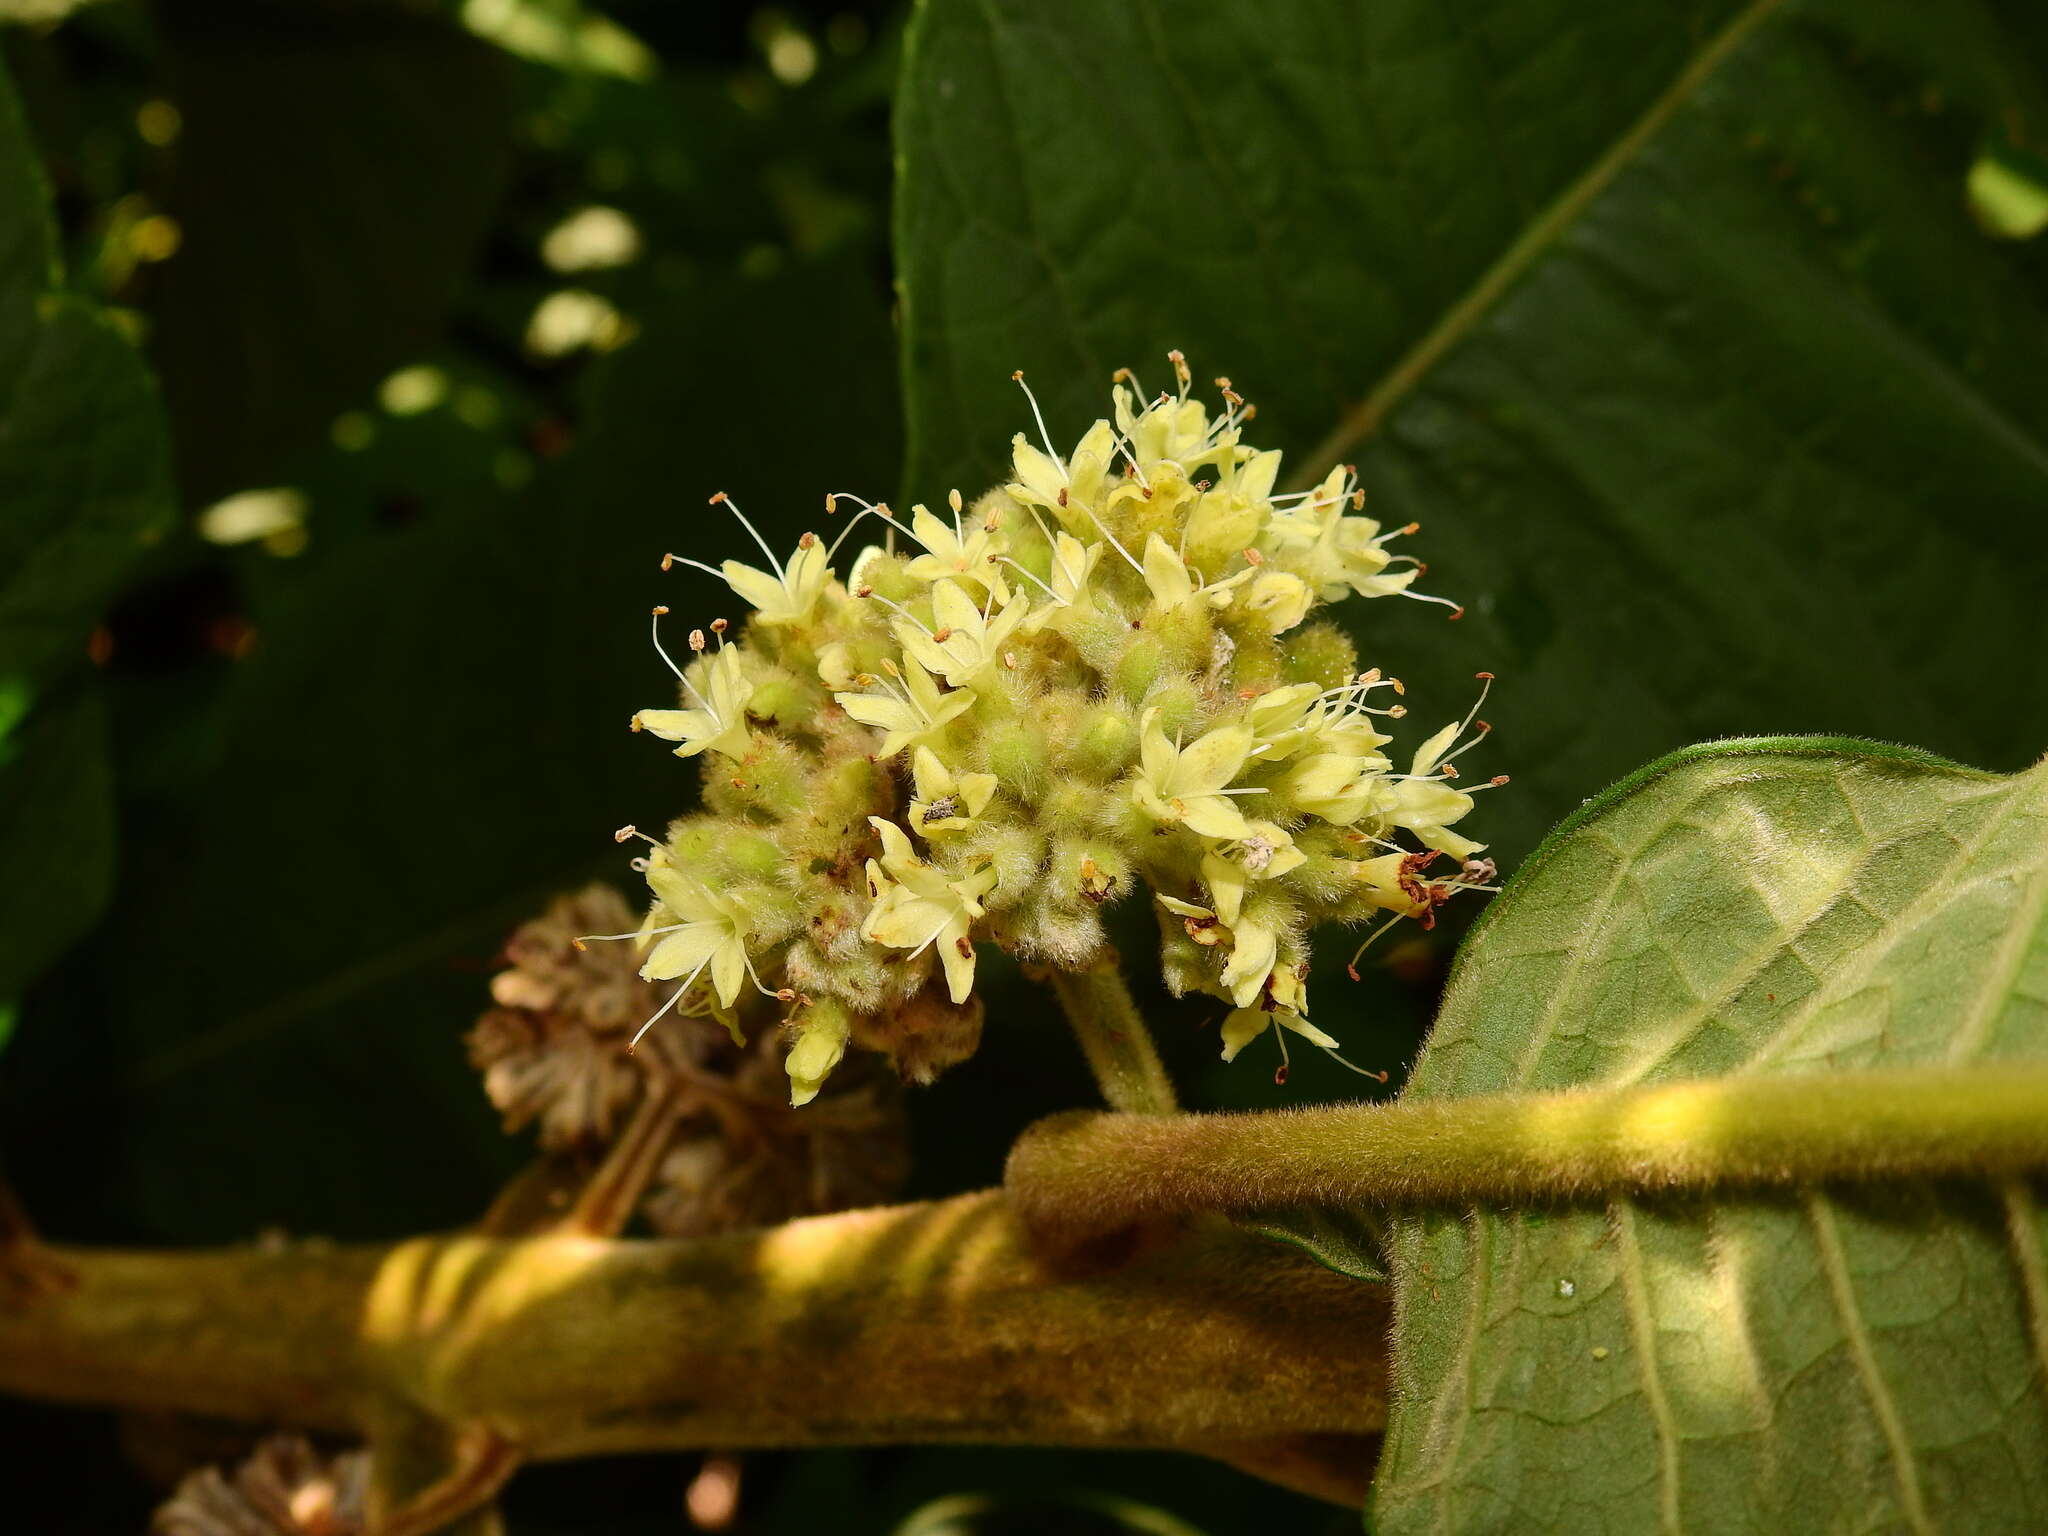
(915,717)
(1337,786)
(1174,586)
(1281,598)
(1187,784)
(1265,852)
(1073,565)
(966,642)
(788,595)
(1427,805)
(719,723)
(816,1052)
(945,801)
(1071,493)
(1253,947)
(1337,553)
(1244,1025)
(950,553)
(917,906)
(710,932)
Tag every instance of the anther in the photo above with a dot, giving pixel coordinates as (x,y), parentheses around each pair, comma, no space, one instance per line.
(953,498)
(716,498)
(1253,557)
(668,562)
(660,612)
(807,541)
(719,626)
(831,504)
(626,833)
(697,640)
(1457,613)
(785,994)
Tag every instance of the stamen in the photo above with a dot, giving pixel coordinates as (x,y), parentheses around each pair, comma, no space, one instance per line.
(635,934)
(875,597)
(1181,371)
(669,562)
(673,998)
(1380,1077)
(746,523)
(1280,1034)
(1457,609)
(1051,452)
(656,627)
(1021,571)
(867,509)
(1113,544)
(1351,965)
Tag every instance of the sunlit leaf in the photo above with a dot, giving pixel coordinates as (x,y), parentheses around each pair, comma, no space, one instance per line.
(1796,1362)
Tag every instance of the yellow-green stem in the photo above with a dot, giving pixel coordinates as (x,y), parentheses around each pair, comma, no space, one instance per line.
(1078,1177)
(1115,1040)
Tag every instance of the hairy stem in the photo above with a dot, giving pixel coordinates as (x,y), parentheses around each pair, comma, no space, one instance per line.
(1078,1177)
(1115,1039)
(922,1323)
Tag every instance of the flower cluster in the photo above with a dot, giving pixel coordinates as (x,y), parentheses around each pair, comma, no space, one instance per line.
(1104,673)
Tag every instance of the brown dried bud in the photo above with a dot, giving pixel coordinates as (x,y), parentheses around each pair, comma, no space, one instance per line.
(924,1035)
(285,1488)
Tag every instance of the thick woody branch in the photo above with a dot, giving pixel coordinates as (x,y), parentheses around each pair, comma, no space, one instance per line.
(914,1323)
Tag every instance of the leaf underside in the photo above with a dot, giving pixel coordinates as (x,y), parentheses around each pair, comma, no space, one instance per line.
(1803,1361)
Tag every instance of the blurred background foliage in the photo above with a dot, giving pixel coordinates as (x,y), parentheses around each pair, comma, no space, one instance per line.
(459,313)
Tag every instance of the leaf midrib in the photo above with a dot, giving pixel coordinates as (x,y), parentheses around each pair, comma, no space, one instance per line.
(1363,419)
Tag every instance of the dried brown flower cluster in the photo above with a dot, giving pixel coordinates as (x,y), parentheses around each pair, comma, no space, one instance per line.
(554,1052)
(285,1488)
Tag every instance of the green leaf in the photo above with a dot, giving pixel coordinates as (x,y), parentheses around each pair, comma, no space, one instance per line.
(1350,1242)
(1670,322)
(1785,1362)
(84,490)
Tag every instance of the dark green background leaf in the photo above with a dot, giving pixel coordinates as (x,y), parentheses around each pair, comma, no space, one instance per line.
(1802,1361)
(83,490)
(1668,321)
